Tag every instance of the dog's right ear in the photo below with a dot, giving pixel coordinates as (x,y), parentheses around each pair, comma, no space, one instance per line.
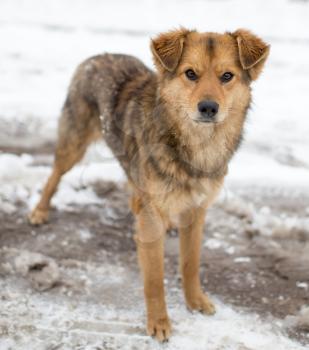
(167,49)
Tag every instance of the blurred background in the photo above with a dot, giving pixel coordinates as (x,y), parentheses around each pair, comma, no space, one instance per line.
(44,41)
(256,248)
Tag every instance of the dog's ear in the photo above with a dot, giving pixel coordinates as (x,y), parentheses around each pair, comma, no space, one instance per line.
(253,52)
(167,49)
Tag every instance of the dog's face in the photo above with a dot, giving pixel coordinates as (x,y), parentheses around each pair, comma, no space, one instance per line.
(206,77)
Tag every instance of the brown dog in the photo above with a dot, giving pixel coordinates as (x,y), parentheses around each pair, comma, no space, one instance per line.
(173,133)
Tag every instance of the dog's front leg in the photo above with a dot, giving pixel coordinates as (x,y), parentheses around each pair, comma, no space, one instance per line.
(191,234)
(150,235)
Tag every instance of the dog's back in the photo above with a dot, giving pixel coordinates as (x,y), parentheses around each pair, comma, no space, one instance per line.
(104,97)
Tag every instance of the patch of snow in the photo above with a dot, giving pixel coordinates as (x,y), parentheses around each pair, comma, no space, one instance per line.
(219,243)
(7,207)
(269,224)
(98,327)
(230,250)
(68,195)
(302,285)
(213,243)
(237,331)
(301,320)
(263,220)
(21,181)
(235,205)
(85,235)
(252,167)
(242,259)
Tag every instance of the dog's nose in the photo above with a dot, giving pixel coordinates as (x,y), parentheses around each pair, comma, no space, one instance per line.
(208,109)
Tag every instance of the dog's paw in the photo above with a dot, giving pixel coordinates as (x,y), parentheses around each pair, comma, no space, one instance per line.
(38,217)
(201,303)
(159,328)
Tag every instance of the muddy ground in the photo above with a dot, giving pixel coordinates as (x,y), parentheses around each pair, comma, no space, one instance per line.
(92,245)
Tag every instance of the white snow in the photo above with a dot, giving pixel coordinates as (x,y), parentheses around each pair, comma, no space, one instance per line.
(44,41)
(303,285)
(71,324)
(301,320)
(242,259)
(263,221)
(20,181)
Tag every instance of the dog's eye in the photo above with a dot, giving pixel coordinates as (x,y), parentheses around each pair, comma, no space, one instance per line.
(226,77)
(190,74)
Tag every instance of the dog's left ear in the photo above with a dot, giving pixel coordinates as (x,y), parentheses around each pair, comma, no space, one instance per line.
(167,49)
(253,52)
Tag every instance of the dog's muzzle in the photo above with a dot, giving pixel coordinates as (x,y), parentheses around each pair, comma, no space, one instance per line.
(208,110)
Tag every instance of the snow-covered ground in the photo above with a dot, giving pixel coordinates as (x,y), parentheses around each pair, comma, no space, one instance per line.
(41,44)
(74,325)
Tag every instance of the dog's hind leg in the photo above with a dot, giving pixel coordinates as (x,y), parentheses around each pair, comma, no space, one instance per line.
(79,125)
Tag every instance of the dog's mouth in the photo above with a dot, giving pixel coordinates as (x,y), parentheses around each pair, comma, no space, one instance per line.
(217,119)
(205,121)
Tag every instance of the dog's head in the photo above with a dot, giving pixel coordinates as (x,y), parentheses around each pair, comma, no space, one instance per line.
(206,77)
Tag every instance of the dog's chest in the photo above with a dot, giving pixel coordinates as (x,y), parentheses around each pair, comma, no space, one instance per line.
(198,198)
(200,193)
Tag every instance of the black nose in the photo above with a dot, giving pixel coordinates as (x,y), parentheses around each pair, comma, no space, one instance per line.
(208,109)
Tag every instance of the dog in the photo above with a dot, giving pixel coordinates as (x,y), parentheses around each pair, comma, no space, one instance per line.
(174,132)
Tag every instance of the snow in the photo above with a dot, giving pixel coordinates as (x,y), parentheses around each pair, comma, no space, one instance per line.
(21,181)
(41,44)
(303,285)
(242,259)
(262,221)
(301,320)
(45,41)
(78,324)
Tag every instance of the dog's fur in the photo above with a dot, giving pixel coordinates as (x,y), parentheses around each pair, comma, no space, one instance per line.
(175,164)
